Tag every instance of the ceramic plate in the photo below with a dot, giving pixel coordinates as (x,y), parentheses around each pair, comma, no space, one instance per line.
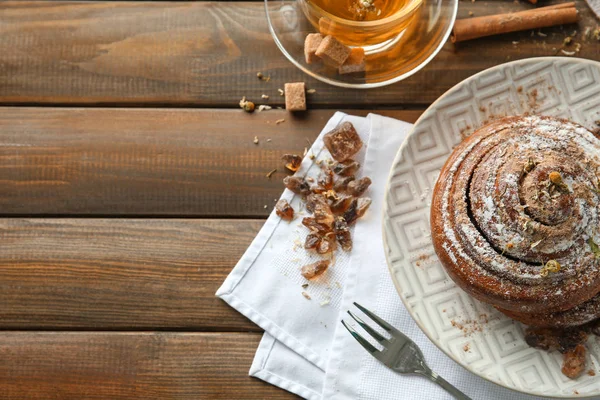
(481,339)
(595,6)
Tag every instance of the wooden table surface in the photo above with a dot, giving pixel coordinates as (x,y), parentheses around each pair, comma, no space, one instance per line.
(130,184)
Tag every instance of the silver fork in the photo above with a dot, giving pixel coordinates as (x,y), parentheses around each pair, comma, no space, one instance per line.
(400,353)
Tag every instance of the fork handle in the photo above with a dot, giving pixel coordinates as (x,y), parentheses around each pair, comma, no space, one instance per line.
(457,394)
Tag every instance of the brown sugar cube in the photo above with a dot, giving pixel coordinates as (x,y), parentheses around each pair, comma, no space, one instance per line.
(311,43)
(333,52)
(326,26)
(354,63)
(295,98)
(343,142)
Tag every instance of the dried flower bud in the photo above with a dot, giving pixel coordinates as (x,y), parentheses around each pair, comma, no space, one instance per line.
(555,177)
(595,248)
(530,165)
(246,105)
(551,266)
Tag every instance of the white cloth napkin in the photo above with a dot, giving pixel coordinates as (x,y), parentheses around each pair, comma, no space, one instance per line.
(305,349)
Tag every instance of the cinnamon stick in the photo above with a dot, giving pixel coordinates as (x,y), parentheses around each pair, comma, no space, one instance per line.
(552,7)
(473,28)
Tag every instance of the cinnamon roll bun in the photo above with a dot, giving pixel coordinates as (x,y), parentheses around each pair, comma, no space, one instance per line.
(515,219)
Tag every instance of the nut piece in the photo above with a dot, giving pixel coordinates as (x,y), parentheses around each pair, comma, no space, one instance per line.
(325,178)
(284,210)
(324,215)
(327,244)
(311,43)
(341,185)
(312,270)
(295,98)
(574,362)
(354,63)
(314,199)
(357,209)
(333,52)
(341,204)
(312,241)
(342,233)
(292,161)
(357,188)
(343,142)
(315,227)
(296,184)
(346,168)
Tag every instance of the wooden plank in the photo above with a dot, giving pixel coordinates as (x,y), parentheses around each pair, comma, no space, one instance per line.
(208,54)
(59,161)
(120,274)
(104,365)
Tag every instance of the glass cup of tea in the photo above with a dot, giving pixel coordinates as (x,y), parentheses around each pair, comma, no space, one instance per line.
(362,22)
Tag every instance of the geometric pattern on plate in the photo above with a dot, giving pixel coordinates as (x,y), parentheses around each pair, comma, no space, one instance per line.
(454,321)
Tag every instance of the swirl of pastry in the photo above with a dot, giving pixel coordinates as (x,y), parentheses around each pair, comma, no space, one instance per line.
(515,214)
(581,314)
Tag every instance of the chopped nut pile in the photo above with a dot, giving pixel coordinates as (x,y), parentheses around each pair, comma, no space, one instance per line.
(333,198)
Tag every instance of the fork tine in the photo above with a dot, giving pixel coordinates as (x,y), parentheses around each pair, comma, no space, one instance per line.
(364,343)
(375,318)
(376,335)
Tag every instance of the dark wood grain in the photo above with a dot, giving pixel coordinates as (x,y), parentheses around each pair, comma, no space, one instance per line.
(208,54)
(63,161)
(120,274)
(102,365)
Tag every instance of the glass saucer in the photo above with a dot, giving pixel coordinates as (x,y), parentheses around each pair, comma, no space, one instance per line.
(392,62)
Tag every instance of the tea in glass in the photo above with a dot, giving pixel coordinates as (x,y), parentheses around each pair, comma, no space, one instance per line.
(361,22)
